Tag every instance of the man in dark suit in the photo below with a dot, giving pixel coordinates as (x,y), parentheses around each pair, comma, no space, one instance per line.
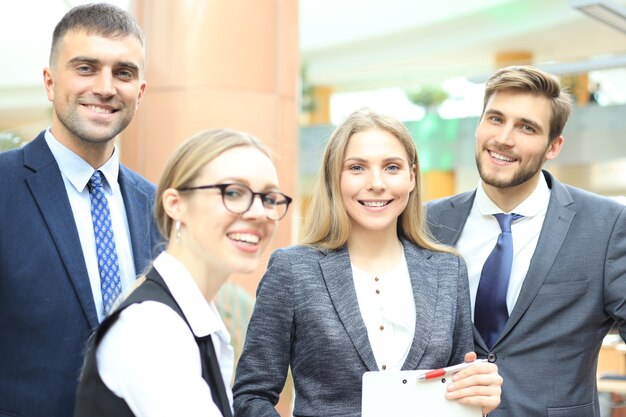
(566,280)
(51,294)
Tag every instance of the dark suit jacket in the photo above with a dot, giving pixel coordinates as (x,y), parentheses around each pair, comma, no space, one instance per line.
(574,291)
(307,316)
(47,310)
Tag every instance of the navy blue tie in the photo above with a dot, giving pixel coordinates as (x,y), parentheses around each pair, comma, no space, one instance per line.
(108,264)
(490,310)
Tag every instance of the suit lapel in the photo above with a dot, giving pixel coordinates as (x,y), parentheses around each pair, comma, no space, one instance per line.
(48,189)
(455,215)
(424,280)
(138,212)
(337,273)
(553,232)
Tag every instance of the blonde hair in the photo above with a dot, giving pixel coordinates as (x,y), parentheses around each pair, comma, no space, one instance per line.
(527,79)
(189,159)
(327,224)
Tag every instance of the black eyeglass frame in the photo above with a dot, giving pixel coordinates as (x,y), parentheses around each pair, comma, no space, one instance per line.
(263,196)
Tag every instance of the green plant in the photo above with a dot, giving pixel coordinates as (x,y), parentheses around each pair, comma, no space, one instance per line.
(428,96)
(307,99)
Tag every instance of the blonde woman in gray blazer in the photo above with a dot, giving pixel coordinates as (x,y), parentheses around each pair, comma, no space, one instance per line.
(366,291)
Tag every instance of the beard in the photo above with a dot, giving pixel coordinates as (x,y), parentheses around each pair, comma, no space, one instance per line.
(90,131)
(520,176)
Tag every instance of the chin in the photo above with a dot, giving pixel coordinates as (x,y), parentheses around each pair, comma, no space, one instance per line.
(246,266)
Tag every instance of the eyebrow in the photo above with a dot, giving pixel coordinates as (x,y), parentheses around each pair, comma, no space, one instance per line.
(83,59)
(235,180)
(94,61)
(524,120)
(388,159)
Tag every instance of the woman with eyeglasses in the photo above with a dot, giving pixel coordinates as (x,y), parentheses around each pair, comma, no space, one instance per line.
(367,290)
(164,351)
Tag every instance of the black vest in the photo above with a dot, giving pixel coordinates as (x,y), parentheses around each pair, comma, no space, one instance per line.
(94,399)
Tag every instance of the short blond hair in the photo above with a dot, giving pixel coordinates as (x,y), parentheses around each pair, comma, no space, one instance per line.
(527,79)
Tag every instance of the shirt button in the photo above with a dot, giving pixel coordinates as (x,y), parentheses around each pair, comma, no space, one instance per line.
(376,279)
(382,328)
(384,367)
(377,291)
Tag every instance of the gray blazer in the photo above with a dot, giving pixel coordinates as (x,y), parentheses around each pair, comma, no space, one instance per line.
(307,316)
(574,291)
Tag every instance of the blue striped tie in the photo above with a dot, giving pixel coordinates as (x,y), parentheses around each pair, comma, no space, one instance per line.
(490,310)
(108,264)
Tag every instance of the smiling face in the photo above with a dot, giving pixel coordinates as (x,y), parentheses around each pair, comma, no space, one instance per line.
(212,237)
(376,180)
(95,86)
(512,141)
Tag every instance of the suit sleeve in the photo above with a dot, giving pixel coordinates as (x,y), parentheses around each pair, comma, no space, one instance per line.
(463,336)
(264,362)
(615,274)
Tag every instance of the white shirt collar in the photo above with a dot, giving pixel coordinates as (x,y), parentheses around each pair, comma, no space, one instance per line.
(533,205)
(203,317)
(76,169)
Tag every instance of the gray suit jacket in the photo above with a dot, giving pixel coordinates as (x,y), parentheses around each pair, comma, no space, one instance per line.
(574,291)
(307,316)
(47,310)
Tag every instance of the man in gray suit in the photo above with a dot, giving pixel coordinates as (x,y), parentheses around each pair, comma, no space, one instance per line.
(52,294)
(567,281)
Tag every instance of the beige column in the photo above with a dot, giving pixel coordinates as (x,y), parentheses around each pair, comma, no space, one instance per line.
(216,63)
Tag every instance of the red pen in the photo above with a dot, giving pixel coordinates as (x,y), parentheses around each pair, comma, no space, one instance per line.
(436,373)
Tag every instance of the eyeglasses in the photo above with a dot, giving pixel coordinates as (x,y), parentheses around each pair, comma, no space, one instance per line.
(238,199)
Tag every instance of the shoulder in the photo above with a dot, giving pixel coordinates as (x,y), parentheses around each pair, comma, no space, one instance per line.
(451,201)
(130,176)
(142,324)
(298,253)
(584,200)
(11,161)
(293,264)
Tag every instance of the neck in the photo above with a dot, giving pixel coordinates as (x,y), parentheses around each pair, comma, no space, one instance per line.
(208,279)
(95,154)
(508,198)
(375,251)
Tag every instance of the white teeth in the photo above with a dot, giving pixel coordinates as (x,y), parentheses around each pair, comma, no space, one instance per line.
(502,157)
(100,110)
(244,237)
(374,203)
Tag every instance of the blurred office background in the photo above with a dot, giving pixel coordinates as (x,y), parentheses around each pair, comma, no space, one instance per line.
(288,70)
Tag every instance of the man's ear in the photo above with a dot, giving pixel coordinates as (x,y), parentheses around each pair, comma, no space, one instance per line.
(48,82)
(142,90)
(554,148)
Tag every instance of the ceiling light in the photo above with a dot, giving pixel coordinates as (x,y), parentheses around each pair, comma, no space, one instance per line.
(605,11)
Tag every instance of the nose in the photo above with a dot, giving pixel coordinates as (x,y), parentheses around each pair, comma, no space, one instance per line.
(104,84)
(376,182)
(505,135)
(256,210)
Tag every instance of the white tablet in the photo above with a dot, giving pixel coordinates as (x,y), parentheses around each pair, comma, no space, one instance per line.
(401,394)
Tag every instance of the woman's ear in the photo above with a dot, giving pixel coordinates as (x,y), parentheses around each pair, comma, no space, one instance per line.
(413,176)
(173,203)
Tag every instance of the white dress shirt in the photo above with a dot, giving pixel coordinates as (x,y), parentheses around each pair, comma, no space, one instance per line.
(76,173)
(480,234)
(387,306)
(151,359)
